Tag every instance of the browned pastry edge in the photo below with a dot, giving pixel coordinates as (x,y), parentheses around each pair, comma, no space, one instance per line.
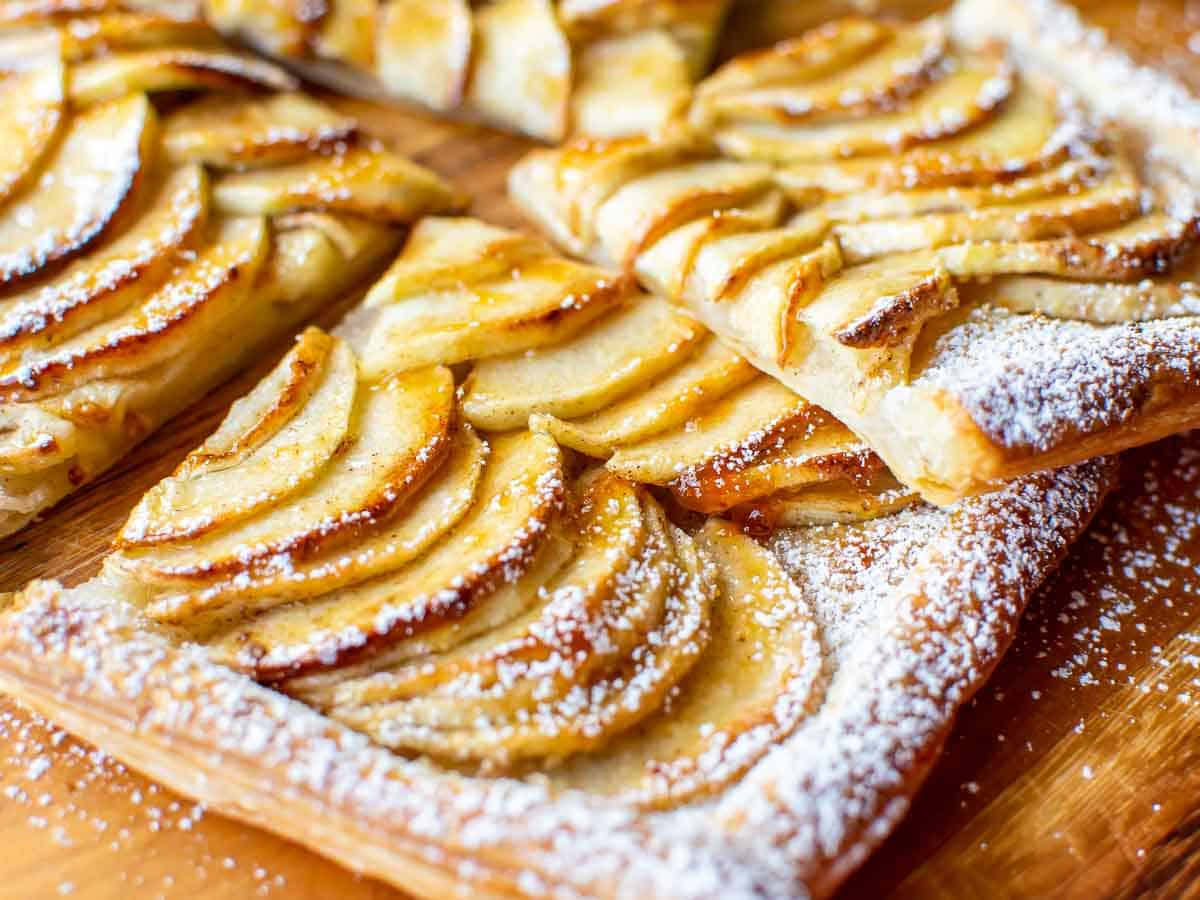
(800,821)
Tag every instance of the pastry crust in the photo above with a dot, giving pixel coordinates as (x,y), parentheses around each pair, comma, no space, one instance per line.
(547,68)
(877,259)
(147,249)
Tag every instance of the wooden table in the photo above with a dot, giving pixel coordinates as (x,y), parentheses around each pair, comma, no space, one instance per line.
(1072,774)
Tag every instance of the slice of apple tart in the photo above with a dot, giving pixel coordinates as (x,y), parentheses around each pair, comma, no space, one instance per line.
(166,210)
(468,661)
(546,68)
(937,249)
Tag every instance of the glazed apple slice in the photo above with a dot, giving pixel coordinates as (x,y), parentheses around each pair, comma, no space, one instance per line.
(447,302)
(180,314)
(315,256)
(1104,303)
(712,371)
(346,33)
(881,79)
(739,426)
(520,496)
(833,502)
(31,113)
(283,28)
(585,373)
(966,97)
(80,38)
(171,69)
(425,50)
(229,132)
(115,276)
(430,515)
(84,184)
(1031,132)
(825,450)
(630,84)
(366,181)
(1142,248)
(522,68)
(816,54)
(301,415)
(868,205)
(1109,201)
(761,675)
(398,435)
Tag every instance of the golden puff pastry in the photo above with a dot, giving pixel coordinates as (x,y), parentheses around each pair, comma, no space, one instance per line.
(147,250)
(546,68)
(938,249)
(468,662)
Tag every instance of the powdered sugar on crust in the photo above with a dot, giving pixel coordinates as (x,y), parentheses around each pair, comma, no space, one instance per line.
(917,608)
(1032,383)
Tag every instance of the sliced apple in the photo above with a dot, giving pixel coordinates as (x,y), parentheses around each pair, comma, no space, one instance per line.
(762,673)
(346,33)
(644,210)
(522,68)
(630,84)
(87,180)
(399,434)
(1084,301)
(31,112)
(281,27)
(738,428)
(85,38)
(424,51)
(816,54)
(1110,201)
(115,276)
(834,502)
(1147,246)
(367,181)
(607,360)
(878,81)
(677,396)
(250,131)
(318,256)
(190,304)
(299,426)
(545,300)
(521,494)
(1028,134)
(868,205)
(172,69)
(428,517)
(881,305)
(826,450)
(35,12)
(964,98)
(33,439)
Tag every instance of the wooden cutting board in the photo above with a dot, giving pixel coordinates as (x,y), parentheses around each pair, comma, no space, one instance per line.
(1073,773)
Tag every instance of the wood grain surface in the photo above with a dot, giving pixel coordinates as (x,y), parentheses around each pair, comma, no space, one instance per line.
(1073,774)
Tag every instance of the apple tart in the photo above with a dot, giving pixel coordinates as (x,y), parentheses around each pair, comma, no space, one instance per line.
(939,249)
(167,207)
(546,68)
(462,660)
